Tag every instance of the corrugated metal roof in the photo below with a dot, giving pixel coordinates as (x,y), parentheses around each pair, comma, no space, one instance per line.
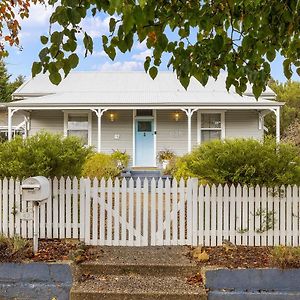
(127,88)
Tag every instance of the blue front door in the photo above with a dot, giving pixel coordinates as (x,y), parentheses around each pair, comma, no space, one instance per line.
(144,143)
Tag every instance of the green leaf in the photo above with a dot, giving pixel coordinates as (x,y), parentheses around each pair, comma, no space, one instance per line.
(56,37)
(287,68)
(88,43)
(73,60)
(110,51)
(218,43)
(142,3)
(36,68)
(112,24)
(147,63)
(271,54)
(74,15)
(185,81)
(44,40)
(128,22)
(72,44)
(43,53)
(55,78)
(104,39)
(66,67)
(153,72)
(257,90)
(115,3)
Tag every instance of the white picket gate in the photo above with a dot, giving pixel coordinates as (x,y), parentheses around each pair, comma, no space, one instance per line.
(129,213)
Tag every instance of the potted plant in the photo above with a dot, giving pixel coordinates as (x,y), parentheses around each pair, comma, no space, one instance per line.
(164,157)
(121,159)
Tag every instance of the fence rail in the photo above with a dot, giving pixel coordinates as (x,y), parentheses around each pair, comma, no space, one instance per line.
(136,213)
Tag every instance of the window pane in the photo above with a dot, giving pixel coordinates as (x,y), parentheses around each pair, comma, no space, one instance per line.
(83,134)
(210,120)
(208,135)
(144,126)
(78,122)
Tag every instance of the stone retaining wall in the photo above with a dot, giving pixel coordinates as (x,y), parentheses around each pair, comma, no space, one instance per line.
(271,284)
(35,281)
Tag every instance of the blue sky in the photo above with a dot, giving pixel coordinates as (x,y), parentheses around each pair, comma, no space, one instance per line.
(19,62)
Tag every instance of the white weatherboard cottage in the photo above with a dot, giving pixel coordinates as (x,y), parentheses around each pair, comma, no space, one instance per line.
(131,112)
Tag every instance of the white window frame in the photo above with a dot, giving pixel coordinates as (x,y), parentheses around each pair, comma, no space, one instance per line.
(199,128)
(79,113)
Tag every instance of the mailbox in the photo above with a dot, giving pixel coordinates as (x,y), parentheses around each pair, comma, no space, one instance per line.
(35,189)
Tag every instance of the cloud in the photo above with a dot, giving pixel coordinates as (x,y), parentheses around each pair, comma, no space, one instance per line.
(120,66)
(140,46)
(96,53)
(95,26)
(37,24)
(39,15)
(142,55)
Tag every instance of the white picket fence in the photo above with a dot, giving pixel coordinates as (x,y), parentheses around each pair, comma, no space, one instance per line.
(150,213)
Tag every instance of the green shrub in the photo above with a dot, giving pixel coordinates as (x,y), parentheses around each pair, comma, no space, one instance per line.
(101,165)
(244,161)
(42,154)
(178,168)
(285,257)
(120,158)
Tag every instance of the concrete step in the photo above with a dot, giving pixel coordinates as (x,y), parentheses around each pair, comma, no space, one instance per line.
(154,261)
(145,269)
(219,295)
(137,273)
(136,287)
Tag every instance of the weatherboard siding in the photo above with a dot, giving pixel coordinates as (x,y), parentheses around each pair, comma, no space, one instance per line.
(122,126)
(46,120)
(173,135)
(242,124)
(16,120)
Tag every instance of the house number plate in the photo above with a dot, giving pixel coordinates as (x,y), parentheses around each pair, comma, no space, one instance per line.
(26,216)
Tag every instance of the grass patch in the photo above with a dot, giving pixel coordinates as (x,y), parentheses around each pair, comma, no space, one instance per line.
(14,249)
(285,257)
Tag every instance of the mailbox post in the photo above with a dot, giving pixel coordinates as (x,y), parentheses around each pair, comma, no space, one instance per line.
(36,190)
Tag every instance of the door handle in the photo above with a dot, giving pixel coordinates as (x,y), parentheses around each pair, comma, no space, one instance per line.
(144,133)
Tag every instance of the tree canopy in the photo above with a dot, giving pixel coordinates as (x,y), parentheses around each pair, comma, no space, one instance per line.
(288,92)
(240,36)
(292,133)
(7,87)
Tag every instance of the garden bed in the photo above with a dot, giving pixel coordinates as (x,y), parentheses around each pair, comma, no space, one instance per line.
(240,257)
(56,250)
(247,257)
(49,251)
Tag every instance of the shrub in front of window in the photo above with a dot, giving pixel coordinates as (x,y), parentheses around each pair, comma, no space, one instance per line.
(101,165)
(43,154)
(244,161)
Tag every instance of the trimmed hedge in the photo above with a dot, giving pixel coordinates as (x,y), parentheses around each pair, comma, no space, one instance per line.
(101,165)
(43,154)
(244,161)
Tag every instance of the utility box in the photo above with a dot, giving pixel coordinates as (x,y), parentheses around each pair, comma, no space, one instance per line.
(35,189)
